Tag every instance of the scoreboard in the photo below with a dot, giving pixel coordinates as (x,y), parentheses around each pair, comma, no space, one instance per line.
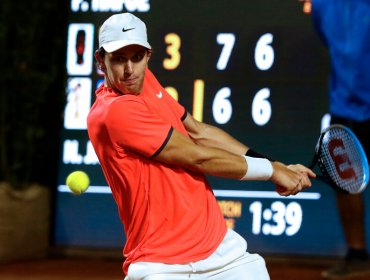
(256,69)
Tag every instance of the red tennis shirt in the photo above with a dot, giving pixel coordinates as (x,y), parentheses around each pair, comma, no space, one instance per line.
(170,214)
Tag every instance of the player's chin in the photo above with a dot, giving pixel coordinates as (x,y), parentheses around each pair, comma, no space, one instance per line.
(132,90)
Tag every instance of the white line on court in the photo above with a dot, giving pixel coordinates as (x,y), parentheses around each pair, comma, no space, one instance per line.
(266,194)
(219,193)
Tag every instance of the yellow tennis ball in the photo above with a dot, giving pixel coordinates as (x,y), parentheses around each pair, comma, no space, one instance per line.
(78,182)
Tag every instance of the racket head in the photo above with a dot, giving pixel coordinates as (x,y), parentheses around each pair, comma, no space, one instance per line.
(342,159)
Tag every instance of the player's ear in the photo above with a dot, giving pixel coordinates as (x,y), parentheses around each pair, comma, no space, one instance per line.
(149,53)
(99,56)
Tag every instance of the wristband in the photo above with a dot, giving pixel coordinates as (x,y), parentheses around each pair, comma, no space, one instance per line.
(253,153)
(258,169)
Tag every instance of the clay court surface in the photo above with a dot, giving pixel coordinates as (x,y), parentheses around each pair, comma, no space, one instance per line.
(99,268)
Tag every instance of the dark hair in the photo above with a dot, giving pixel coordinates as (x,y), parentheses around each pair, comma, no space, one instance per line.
(101,52)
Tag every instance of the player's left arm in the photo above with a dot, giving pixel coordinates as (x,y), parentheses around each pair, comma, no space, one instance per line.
(210,136)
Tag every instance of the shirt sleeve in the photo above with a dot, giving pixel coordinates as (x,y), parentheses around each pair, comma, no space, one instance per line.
(175,105)
(181,112)
(132,126)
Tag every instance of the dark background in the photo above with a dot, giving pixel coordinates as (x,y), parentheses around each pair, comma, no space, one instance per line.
(32,93)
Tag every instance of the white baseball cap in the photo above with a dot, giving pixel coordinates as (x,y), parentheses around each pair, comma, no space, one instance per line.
(121,30)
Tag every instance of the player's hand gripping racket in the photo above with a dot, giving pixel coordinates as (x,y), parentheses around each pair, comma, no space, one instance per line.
(342,160)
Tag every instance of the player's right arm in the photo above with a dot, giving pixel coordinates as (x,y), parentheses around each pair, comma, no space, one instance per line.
(210,136)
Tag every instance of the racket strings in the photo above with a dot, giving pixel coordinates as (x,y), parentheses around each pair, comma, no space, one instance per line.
(341,160)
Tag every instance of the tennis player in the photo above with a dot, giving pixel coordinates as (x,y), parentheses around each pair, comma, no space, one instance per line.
(155,155)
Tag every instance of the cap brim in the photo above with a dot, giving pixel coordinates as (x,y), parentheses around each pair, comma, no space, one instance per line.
(116,45)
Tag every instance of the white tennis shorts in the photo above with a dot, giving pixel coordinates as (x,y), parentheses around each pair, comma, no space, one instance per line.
(230,261)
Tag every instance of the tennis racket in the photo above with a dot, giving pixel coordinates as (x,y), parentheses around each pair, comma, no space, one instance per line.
(341,160)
